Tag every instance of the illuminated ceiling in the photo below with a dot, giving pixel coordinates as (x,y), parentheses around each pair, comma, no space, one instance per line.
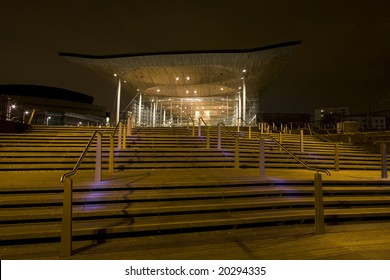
(197,74)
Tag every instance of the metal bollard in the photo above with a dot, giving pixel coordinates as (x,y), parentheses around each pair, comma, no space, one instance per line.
(208,138)
(336,157)
(120,136)
(262,158)
(124,138)
(280,141)
(384,160)
(236,154)
(219,137)
(301,141)
(66,226)
(98,163)
(319,204)
(111,157)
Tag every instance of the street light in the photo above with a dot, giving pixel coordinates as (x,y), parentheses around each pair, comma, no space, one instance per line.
(25,114)
(47,120)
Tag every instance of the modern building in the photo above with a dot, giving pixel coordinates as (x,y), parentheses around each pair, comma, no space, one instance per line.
(48,106)
(172,87)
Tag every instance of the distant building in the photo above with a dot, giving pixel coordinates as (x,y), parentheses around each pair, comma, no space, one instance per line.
(369,122)
(329,117)
(51,106)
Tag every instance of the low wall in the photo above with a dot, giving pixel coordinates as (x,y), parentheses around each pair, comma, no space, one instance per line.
(12,127)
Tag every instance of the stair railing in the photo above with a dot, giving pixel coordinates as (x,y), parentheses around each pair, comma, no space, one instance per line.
(236,143)
(32,116)
(318,193)
(66,227)
(208,131)
(193,123)
(121,142)
(298,159)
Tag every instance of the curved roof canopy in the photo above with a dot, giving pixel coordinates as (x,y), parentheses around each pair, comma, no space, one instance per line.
(193,74)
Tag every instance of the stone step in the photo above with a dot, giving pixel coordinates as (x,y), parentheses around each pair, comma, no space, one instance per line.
(103,228)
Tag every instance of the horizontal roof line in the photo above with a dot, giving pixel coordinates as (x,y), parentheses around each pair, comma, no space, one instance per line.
(280,45)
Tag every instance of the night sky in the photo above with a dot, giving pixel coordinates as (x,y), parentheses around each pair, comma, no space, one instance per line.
(344,59)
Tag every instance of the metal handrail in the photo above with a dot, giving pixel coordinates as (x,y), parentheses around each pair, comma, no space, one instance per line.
(228,129)
(248,123)
(200,118)
(321,136)
(76,167)
(298,159)
(117,125)
(192,119)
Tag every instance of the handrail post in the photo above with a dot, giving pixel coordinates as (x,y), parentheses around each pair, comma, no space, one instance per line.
(208,138)
(236,154)
(301,141)
(111,157)
(280,140)
(66,227)
(98,163)
(199,128)
(124,138)
(120,136)
(384,160)
(219,137)
(250,131)
(262,158)
(336,157)
(129,123)
(319,204)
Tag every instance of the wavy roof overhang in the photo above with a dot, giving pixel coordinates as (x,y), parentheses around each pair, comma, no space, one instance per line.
(184,74)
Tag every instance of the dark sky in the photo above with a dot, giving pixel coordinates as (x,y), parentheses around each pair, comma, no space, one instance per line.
(344,59)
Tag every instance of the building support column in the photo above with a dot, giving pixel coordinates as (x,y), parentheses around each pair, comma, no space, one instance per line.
(139,109)
(239,112)
(154,105)
(244,97)
(118,101)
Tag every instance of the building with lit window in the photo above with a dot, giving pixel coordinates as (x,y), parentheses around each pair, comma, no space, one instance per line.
(48,106)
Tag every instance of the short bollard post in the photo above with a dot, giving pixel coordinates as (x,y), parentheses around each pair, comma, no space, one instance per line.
(124,138)
(319,204)
(219,137)
(261,128)
(384,160)
(98,163)
(111,156)
(120,136)
(66,226)
(193,129)
(236,154)
(280,141)
(262,158)
(301,141)
(336,158)
(250,132)
(208,138)
(129,123)
(199,129)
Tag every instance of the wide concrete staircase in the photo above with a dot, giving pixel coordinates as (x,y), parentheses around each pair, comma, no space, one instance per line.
(58,148)
(118,207)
